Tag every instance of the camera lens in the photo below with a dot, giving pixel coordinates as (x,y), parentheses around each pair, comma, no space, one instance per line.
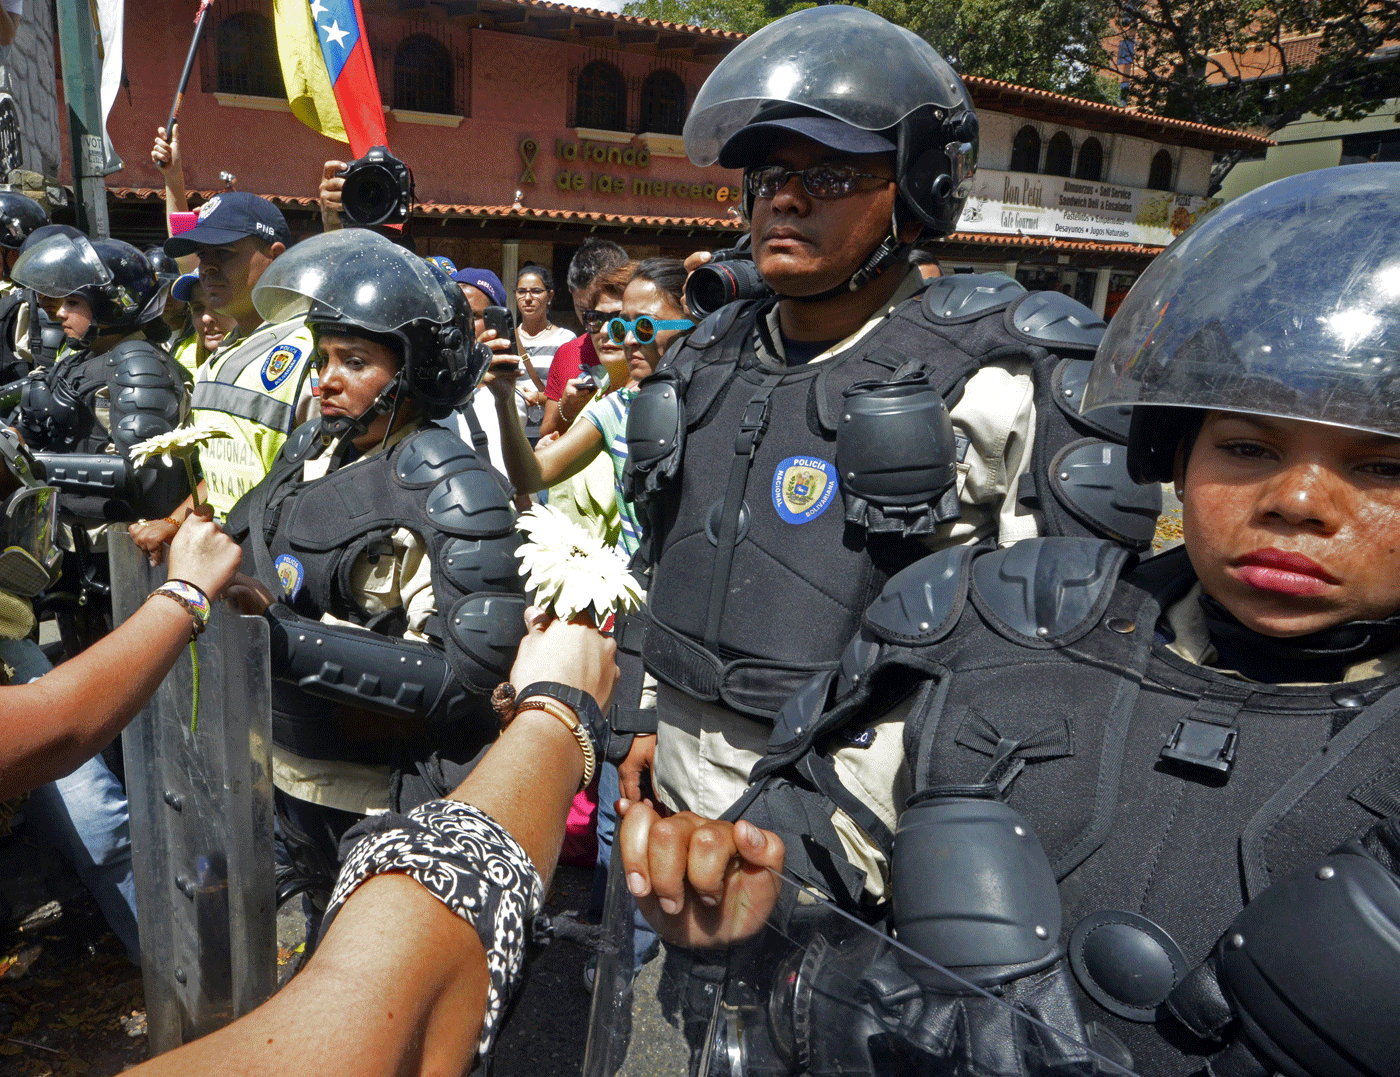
(719,283)
(370,195)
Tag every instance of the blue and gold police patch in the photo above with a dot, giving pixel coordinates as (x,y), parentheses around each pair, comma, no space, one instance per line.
(803,487)
(291,574)
(280,362)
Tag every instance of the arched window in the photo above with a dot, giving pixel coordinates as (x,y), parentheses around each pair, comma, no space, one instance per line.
(1090,165)
(663,103)
(602,98)
(1025,150)
(423,75)
(1059,155)
(248,56)
(1160,178)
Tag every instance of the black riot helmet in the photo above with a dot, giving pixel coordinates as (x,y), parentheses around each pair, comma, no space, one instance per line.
(359,283)
(849,65)
(1284,302)
(19,217)
(115,279)
(167,269)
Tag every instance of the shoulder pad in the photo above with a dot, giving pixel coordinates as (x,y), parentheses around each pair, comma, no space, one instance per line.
(483,564)
(470,503)
(432,454)
(138,362)
(716,325)
(1056,322)
(1047,592)
(965,296)
(922,603)
(483,634)
(1067,386)
(1090,478)
(303,443)
(655,422)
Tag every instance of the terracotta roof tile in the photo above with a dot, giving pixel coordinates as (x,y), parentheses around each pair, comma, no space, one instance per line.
(632,20)
(1050,243)
(985,91)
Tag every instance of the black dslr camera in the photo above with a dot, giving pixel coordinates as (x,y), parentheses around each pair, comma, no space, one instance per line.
(729,275)
(378,190)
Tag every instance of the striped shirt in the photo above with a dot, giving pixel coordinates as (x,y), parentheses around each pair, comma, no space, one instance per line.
(609,415)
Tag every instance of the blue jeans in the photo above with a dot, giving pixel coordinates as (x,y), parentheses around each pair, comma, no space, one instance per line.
(644,940)
(83,818)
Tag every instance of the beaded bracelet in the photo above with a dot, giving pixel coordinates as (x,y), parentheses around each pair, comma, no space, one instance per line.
(195,601)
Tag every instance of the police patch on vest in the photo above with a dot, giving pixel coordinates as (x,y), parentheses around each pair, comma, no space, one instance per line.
(279,364)
(291,573)
(803,487)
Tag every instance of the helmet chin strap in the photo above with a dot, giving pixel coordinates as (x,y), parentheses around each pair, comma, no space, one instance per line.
(344,430)
(888,252)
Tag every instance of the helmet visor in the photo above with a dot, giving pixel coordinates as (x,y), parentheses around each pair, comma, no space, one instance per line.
(1284,302)
(368,281)
(845,62)
(60,265)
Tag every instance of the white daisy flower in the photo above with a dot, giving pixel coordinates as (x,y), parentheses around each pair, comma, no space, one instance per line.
(571,571)
(181,442)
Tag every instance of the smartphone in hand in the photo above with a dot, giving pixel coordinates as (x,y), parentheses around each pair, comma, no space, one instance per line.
(499,319)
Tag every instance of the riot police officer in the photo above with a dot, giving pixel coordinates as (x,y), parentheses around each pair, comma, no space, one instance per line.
(799,449)
(114,388)
(384,547)
(1199,750)
(22,322)
(257,383)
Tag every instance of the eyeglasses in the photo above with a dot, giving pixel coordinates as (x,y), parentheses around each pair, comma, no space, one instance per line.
(530,291)
(593,320)
(819,181)
(644,328)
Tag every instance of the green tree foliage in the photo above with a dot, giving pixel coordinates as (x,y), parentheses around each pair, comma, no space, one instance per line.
(1046,44)
(1202,60)
(745,16)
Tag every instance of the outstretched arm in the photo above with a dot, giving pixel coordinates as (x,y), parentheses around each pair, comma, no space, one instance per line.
(399,984)
(51,726)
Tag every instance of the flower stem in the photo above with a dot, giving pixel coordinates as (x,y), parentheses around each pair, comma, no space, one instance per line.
(194,695)
(185,458)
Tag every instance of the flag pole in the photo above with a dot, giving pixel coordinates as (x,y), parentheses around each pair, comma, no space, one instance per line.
(199,21)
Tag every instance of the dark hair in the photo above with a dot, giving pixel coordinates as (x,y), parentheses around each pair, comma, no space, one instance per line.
(918,256)
(546,277)
(612,281)
(593,258)
(668,274)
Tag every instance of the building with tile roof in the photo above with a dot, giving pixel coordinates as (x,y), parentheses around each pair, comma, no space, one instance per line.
(532,125)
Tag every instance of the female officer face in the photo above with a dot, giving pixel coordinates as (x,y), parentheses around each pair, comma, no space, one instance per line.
(1293,526)
(353,374)
(75,314)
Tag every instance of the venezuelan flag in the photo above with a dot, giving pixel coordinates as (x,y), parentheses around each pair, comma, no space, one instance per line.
(326,66)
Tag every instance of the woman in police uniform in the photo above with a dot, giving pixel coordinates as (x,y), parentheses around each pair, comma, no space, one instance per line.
(1204,744)
(382,547)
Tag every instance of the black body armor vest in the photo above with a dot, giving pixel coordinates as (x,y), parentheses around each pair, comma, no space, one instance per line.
(1160,789)
(303,539)
(800,490)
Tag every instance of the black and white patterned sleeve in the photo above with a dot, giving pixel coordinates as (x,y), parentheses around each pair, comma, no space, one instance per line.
(470,863)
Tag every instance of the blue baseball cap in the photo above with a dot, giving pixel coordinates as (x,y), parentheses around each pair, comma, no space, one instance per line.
(183,286)
(228,217)
(443,262)
(488,282)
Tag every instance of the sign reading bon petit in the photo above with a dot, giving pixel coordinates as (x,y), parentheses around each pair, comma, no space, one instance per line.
(1006,203)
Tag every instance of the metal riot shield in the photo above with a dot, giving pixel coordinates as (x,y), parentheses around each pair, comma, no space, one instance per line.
(824,994)
(201,821)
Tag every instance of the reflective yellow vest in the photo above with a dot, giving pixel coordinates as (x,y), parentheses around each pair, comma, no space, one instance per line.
(250,386)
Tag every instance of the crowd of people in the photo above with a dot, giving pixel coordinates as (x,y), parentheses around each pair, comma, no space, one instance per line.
(902,642)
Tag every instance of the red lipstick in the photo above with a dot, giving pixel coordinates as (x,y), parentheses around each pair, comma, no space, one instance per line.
(1284,572)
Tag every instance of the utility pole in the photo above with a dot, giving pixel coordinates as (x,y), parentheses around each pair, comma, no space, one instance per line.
(82,75)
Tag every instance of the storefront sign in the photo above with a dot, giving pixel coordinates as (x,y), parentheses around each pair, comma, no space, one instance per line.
(1006,203)
(583,180)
